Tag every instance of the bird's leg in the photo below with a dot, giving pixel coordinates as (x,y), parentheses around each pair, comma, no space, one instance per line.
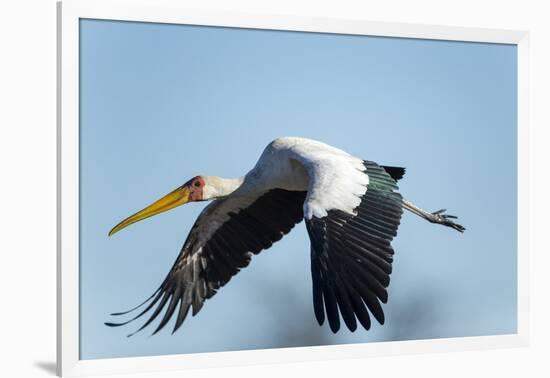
(436,217)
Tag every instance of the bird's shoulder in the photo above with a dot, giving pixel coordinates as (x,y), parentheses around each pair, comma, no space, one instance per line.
(311,154)
(302,145)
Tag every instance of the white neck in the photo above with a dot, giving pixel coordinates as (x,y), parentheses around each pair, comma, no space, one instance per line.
(218,187)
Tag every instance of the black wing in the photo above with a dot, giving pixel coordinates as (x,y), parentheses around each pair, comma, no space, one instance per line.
(203,266)
(351,255)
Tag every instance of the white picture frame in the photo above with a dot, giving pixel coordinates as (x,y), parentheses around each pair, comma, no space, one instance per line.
(168,11)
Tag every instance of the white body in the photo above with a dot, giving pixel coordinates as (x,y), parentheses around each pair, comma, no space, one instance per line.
(333,179)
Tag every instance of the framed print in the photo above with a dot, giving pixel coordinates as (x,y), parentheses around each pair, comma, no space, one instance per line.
(316,159)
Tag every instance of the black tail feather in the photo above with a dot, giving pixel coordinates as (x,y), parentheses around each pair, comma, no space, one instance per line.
(396,173)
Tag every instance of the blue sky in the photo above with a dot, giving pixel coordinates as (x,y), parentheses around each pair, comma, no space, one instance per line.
(160,104)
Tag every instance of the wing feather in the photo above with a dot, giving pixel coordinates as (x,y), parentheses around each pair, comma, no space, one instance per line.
(210,258)
(351,253)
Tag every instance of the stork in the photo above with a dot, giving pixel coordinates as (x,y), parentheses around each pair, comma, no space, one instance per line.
(351,208)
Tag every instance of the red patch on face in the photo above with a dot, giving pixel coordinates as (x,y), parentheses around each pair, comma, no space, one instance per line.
(195,186)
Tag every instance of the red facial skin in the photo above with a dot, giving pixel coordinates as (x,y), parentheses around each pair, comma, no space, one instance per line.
(195,186)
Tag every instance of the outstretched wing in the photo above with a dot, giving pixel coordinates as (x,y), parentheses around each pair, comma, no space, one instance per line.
(351,254)
(222,241)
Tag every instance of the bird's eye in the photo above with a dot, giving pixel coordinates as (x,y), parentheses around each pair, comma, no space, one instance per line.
(197,184)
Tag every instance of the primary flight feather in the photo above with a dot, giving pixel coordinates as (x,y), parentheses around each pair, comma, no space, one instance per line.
(351,208)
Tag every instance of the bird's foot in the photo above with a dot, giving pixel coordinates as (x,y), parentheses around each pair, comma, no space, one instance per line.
(440,217)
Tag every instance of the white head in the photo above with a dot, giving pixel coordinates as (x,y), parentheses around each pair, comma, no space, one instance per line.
(199,188)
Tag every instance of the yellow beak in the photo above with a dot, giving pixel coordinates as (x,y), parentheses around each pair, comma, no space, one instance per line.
(176,198)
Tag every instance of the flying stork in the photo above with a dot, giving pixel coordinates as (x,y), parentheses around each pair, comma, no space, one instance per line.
(351,208)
